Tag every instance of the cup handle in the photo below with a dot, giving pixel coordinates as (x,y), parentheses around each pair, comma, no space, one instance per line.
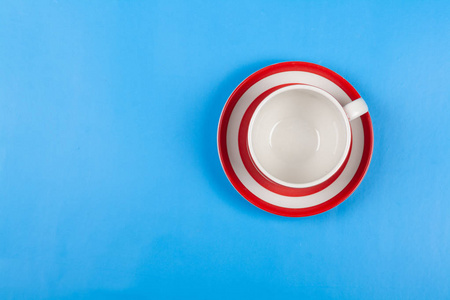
(356,109)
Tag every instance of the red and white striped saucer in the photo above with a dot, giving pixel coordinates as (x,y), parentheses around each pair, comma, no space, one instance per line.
(247,179)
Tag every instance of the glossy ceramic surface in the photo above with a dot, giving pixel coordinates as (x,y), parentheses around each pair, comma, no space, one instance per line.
(247,179)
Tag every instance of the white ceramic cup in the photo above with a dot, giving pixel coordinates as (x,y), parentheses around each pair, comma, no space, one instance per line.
(300,136)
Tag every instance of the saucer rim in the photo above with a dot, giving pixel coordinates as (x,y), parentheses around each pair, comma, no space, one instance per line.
(222,143)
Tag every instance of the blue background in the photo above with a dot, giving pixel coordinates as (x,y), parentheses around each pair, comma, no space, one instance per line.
(110,183)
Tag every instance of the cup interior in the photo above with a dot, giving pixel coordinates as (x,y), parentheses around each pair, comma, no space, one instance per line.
(299,136)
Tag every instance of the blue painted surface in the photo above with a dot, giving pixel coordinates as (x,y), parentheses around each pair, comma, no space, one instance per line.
(110,184)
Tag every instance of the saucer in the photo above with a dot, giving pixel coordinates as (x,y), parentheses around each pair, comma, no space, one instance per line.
(245,177)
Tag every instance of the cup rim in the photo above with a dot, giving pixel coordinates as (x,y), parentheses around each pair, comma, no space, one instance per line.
(343,157)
